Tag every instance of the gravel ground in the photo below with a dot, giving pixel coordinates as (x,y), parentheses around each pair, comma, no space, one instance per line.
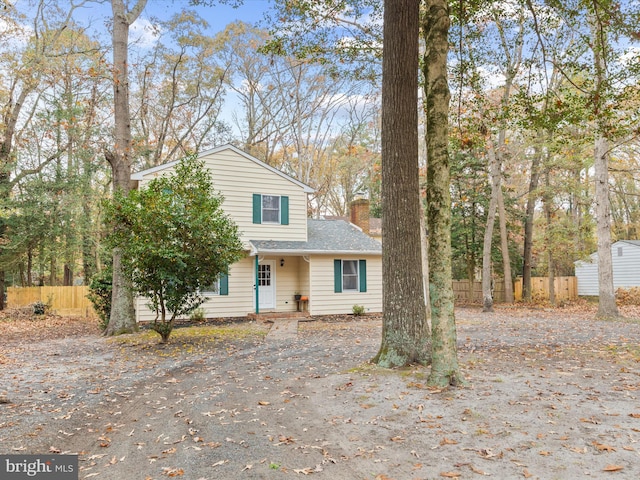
(553,394)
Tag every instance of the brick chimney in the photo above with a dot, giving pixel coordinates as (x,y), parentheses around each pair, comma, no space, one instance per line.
(359,214)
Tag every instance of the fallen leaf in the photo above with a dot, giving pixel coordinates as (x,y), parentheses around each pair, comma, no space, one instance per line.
(221,462)
(172,472)
(604,448)
(544,453)
(451,474)
(247,467)
(613,468)
(447,441)
(305,471)
(578,449)
(477,470)
(264,403)
(634,415)
(527,474)
(285,440)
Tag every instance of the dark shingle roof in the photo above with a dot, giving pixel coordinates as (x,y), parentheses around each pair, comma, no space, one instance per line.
(324,236)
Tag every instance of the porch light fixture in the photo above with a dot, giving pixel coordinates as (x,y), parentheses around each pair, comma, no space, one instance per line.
(282,262)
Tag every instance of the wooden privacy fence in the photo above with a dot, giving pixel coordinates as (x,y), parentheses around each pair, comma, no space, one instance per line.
(61,300)
(466,291)
(565,288)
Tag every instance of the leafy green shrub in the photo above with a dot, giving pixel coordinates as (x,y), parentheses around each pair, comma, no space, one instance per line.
(177,239)
(358,310)
(100,296)
(40,308)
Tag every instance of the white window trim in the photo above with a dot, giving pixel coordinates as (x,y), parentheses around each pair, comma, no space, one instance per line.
(262,209)
(357,275)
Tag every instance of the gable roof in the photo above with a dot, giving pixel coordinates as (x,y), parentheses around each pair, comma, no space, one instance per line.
(594,256)
(324,237)
(632,242)
(141,174)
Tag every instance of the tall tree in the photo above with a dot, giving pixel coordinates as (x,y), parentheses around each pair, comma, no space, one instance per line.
(122,317)
(178,99)
(497,150)
(25,60)
(405,327)
(601,152)
(445,369)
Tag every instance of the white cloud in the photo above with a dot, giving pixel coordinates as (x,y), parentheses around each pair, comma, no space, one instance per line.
(143,33)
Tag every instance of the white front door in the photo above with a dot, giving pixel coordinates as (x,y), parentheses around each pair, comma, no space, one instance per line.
(266,284)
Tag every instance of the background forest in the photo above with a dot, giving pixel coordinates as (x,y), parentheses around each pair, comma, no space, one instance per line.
(301,91)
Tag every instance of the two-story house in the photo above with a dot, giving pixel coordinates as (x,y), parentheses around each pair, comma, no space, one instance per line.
(332,264)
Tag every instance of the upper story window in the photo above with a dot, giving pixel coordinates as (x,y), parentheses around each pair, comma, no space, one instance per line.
(272,209)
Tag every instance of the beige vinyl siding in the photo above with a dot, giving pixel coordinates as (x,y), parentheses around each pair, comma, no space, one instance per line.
(324,301)
(238,303)
(237,178)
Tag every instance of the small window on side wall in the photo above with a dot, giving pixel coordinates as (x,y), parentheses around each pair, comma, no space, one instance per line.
(350,275)
(219,287)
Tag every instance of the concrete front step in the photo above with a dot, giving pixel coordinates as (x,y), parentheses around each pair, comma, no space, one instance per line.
(271,316)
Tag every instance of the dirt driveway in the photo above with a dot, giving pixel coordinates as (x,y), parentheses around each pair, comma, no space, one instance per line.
(552,395)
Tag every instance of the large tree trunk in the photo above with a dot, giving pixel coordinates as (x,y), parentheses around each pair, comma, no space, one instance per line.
(122,319)
(532,197)
(607,300)
(548,198)
(487,264)
(405,328)
(504,245)
(444,359)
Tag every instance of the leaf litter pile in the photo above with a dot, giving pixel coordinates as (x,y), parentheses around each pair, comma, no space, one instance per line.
(553,394)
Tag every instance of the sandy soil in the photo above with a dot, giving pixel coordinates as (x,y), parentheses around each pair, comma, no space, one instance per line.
(553,394)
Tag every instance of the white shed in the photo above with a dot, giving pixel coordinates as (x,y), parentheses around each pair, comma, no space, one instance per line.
(626,268)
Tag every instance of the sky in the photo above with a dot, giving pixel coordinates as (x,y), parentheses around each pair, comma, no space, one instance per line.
(218,16)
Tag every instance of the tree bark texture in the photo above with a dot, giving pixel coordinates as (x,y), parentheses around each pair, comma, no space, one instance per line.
(504,246)
(607,300)
(122,319)
(405,329)
(532,197)
(487,264)
(444,358)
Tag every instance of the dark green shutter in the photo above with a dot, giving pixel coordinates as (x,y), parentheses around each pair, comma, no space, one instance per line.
(224,284)
(284,210)
(257,208)
(363,275)
(337,276)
